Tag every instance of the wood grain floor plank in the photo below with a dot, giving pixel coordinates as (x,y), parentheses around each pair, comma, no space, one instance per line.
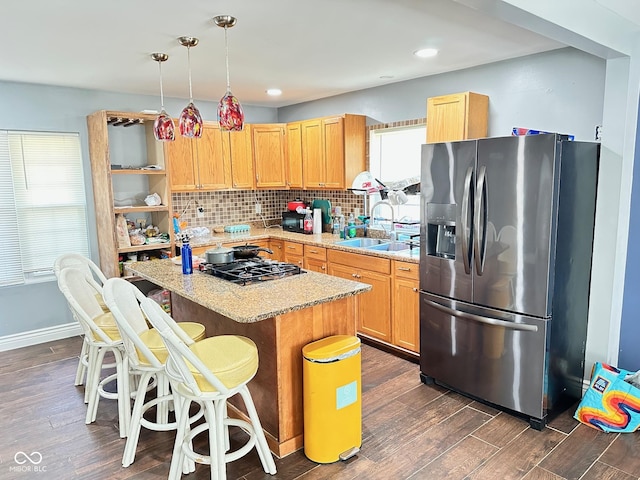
(422,449)
(457,462)
(537,473)
(624,454)
(519,456)
(601,471)
(576,454)
(501,429)
(564,421)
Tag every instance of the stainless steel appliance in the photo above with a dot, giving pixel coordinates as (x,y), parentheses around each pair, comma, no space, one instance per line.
(293,222)
(252,270)
(506,243)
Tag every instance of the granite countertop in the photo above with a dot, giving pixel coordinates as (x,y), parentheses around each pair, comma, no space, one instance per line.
(248,303)
(326,240)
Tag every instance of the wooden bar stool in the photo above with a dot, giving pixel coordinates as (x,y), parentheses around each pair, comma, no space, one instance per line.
(145,357)
(210,372)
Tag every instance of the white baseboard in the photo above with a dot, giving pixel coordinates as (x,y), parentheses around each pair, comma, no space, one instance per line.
(42,335)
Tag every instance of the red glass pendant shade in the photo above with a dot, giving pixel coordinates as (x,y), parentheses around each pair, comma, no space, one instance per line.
(230,114)
(163,128)
(190,122)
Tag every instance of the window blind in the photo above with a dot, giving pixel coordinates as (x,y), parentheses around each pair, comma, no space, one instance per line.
(10,256)
(46,189)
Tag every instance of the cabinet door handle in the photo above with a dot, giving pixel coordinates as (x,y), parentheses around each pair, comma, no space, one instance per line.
(313,251)
(354,275)
(404,269)
(292,248)
(323,267)
(414,289)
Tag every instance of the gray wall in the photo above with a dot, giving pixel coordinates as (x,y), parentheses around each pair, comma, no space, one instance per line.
(557,91)
(47,108)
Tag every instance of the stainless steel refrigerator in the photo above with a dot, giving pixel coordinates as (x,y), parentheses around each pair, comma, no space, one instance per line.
(506,242)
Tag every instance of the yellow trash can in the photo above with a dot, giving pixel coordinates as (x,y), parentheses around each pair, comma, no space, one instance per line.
(332,398)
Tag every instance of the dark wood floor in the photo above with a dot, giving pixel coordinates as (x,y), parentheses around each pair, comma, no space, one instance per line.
(409,431)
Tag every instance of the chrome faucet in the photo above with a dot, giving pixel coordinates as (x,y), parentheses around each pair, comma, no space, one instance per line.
(392,232)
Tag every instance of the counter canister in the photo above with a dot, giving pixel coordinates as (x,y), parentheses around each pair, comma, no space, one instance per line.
(331,374)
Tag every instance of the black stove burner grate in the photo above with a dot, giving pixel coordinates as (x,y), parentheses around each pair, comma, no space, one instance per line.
(249,271)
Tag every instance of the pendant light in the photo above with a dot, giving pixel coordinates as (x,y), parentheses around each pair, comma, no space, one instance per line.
(190,122)
(230,114)
(163,128)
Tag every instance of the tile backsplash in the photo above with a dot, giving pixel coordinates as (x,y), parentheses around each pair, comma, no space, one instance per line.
(238,206)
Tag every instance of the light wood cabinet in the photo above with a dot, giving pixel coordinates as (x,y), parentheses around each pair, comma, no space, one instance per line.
(294,155)
(374,307)
(405,321)
(459,116)
(103,126)
(198,163)
(269,155)
(315,258)
(333,151)
(237,147)
(294,253)
(277,246)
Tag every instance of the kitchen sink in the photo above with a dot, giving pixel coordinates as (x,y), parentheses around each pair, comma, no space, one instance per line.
(389,247)
(363,242)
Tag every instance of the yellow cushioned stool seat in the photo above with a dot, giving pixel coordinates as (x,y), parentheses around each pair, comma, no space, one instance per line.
(233,359)
(108,325)
(152,339)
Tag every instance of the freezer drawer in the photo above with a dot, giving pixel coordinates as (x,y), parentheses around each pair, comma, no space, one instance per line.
(497,357)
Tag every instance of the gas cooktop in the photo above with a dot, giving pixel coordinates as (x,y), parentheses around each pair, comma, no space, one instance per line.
(253,270)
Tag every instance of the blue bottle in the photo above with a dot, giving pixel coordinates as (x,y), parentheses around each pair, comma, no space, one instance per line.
(187,258)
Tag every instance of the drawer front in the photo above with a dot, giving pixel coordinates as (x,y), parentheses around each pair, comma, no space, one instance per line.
(319,253)
(293,248)
(406,270)
(364,262)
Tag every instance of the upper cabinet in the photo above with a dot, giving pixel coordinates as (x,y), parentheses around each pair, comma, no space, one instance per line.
(198,163)
(458,116)
(269,155)
(238,148)
(294,155)
(333,151)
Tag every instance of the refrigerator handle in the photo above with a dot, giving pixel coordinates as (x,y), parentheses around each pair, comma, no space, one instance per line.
(482,319)
(480,221)
(466,228)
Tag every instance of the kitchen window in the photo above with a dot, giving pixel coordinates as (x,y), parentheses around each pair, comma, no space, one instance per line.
(43,210)
(395,158)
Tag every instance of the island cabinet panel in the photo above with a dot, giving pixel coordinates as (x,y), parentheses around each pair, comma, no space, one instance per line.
(269,155)
(277,387)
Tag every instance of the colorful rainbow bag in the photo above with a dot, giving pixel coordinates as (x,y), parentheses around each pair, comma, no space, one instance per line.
(610,404)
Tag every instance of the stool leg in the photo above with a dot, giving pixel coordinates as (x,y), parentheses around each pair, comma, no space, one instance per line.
(130,446)
(94,397)
(214,413)
(262,447)
(178,461)
(82,367)
(92,368)
(124,395)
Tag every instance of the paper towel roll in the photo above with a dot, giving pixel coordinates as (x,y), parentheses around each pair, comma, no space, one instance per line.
(317,220)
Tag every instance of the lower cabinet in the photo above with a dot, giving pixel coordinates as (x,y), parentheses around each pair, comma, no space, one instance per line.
(405,321)
(374,307)
(277,246)
(315,258)
(294,253)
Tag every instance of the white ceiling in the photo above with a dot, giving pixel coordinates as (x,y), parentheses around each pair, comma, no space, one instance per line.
(309,49)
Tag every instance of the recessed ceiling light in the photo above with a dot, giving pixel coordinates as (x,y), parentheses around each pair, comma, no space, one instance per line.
(274,92)
(426,52)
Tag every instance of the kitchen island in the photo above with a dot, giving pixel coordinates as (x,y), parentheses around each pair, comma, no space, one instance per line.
(280,316)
